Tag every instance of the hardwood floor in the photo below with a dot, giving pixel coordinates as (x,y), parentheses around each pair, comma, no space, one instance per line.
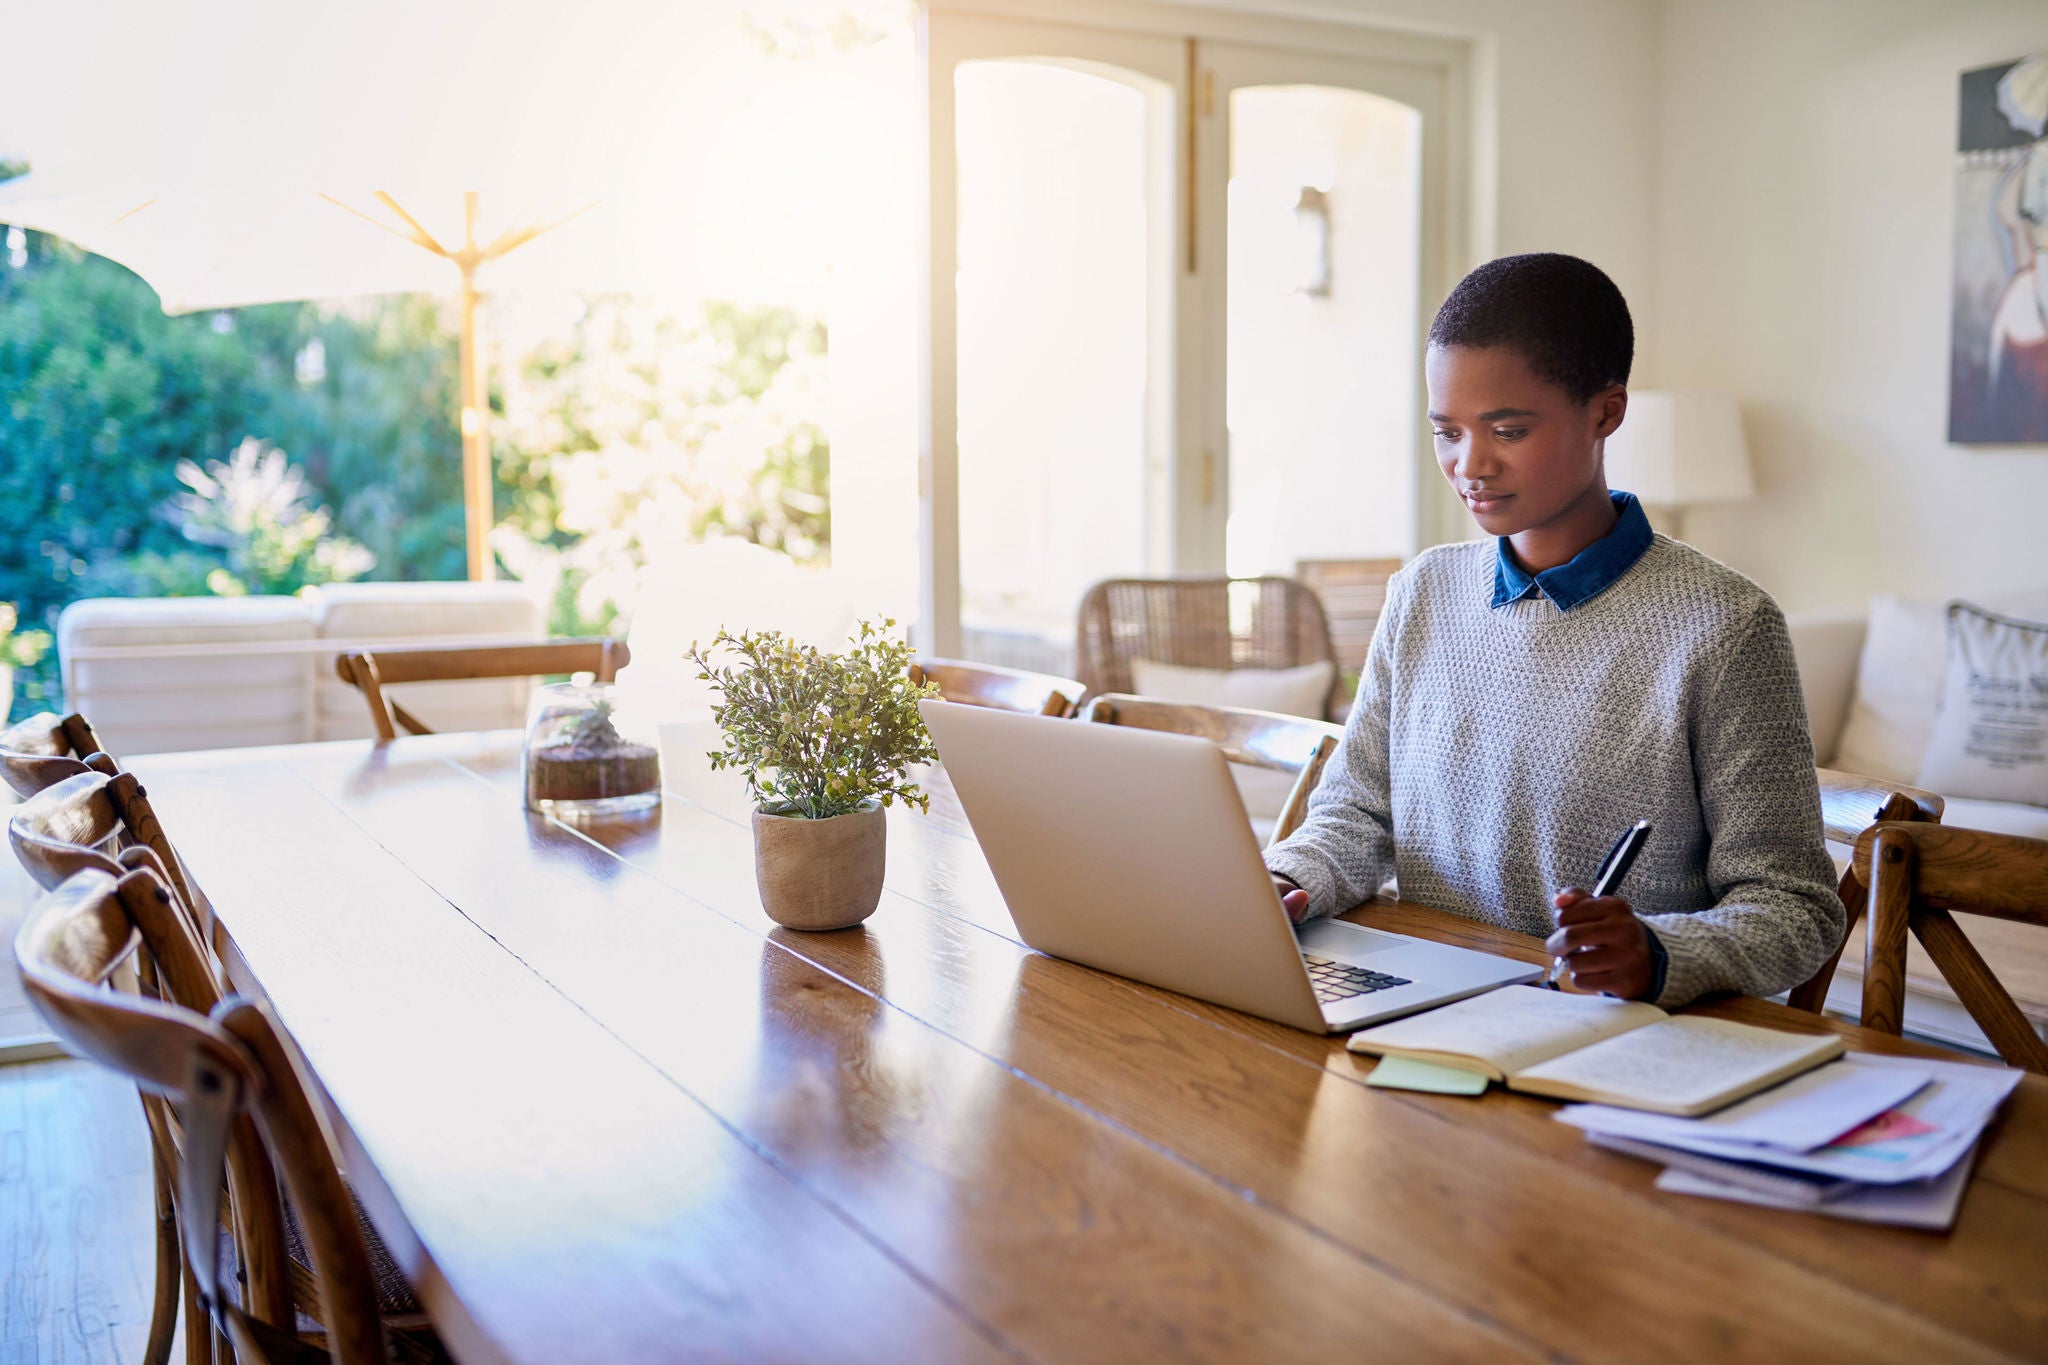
(77,1251)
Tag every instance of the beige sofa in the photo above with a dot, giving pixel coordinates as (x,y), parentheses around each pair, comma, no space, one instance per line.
(158,674)
(1873,683)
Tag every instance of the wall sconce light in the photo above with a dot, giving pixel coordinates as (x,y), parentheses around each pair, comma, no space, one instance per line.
(1312,243)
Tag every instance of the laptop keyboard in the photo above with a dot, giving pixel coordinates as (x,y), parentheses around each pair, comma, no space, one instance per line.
(1341,980)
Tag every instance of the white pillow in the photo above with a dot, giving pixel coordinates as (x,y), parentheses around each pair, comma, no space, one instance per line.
(1990,740)
(1303,691)
(1899,680)
(1898,687)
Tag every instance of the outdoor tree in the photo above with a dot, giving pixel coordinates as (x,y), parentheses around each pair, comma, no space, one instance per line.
(640,425)
(637,424)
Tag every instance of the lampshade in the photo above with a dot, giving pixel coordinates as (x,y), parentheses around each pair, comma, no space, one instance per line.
(1680,450)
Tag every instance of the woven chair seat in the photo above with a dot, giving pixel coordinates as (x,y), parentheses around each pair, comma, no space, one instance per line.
(412,1336)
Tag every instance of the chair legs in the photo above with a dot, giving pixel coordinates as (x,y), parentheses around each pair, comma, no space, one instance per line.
(1812,994)
(163,1314)
(198,1326)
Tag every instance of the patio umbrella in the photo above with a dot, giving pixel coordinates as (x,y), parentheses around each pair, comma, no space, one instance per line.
(616,146)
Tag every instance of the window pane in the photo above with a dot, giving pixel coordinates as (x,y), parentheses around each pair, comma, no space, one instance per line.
(1053,297)
(1325,207)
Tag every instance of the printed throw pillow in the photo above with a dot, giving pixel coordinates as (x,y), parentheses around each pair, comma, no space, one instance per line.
(1990,738)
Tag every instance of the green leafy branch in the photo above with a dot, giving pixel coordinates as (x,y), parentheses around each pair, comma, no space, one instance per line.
(20,648)
(818,734)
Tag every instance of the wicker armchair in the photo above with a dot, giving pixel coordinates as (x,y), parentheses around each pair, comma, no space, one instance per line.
(1276,623)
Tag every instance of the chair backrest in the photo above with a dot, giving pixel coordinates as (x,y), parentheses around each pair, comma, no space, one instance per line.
(1353,593)
(220,1068)
(45,748)
(97,819)
(66,828)
(1198,623)
(1258,739)
(1005,689)
(1918,875)
(1849,804)
(373,671)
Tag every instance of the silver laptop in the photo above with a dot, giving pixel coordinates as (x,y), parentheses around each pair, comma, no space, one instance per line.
(1130,850)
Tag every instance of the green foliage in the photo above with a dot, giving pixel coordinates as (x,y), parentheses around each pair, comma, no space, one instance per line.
(591,733)
(817,734)
(253,510)
(639,428)
(20,648)
(102,397)
(636,428)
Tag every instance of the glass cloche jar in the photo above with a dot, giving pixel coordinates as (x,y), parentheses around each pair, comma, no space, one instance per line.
(584,759)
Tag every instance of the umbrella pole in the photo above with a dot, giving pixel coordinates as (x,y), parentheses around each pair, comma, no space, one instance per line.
(476,432)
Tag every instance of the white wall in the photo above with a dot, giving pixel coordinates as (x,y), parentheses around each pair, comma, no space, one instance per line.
(1804,221)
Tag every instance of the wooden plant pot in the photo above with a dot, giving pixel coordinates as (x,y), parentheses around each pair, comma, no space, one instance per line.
(820,874)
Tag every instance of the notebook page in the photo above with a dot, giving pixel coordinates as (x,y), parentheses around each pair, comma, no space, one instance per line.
(1509,1029)
(1680,1065)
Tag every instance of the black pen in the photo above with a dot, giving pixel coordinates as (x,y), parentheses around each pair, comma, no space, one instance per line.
(1613,868)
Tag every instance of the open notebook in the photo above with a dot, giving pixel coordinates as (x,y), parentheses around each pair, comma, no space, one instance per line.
(1592,1047)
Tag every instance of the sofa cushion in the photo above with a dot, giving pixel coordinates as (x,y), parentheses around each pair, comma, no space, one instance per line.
(1990,737)
(386,611)
(1999,817)
(200,701)
(429,613)
(1898,687)
(1899,680)
(1827,648)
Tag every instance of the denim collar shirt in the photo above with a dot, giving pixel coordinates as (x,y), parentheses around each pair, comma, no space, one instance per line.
(1589,573)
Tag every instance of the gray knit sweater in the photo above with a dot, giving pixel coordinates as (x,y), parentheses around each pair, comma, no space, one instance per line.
(1495,752)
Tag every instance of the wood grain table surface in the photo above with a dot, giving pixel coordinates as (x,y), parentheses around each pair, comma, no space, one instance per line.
(604,1110)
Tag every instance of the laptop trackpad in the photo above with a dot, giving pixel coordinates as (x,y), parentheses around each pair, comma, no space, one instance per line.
(1347,942)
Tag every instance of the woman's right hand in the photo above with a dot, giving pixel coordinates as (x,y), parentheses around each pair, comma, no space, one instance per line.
(1292,898)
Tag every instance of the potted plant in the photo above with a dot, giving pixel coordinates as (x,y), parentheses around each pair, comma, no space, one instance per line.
(18,649)
(825,742)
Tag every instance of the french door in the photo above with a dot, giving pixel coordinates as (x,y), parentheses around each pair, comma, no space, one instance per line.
(1175,315)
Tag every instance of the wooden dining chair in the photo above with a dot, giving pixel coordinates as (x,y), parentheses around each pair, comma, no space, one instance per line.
(81,823)
(1256,739)
(88,820)
(78,825)
(45,748)
(244,1117)
(1849,805)
(1199,623)
(1005,689)
(1353,593)
(1921,876)
(371,671)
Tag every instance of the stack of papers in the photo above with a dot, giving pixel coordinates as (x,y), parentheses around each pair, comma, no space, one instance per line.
(1881,1139)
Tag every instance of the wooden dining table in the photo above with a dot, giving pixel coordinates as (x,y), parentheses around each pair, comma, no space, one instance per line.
(602,1109)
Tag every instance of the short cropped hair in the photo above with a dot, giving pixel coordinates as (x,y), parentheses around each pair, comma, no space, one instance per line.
(1559,313)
